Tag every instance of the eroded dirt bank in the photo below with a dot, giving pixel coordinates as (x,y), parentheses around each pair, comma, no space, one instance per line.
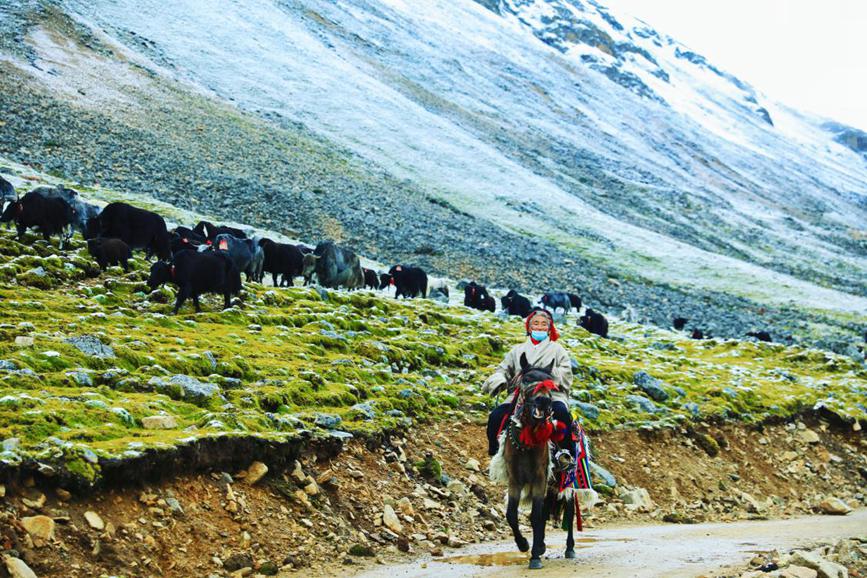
(325,517)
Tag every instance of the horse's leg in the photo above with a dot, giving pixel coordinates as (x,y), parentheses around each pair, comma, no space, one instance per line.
(512,518)
(537,518)
(570,521)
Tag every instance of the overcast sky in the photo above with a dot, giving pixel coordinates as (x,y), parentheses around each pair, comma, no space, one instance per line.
(808,54)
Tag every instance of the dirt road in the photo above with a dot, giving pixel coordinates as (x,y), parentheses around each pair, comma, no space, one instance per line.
(670,551)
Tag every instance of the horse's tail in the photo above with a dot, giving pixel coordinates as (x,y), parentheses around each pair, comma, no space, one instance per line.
(498,471)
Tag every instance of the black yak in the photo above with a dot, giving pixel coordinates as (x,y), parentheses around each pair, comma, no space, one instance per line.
(195,273)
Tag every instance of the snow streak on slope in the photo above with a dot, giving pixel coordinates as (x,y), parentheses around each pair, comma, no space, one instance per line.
(548,117)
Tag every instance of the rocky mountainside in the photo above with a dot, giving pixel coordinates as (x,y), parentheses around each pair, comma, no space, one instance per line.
(534,143)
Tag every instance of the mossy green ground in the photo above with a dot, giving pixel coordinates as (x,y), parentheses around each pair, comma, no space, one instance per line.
(290,359)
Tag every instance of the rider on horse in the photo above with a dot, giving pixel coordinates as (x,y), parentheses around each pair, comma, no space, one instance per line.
(541,348)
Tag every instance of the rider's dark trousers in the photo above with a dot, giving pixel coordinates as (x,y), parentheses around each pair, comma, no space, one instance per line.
(561,414)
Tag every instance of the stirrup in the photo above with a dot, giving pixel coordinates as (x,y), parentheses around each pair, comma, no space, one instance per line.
(563,461)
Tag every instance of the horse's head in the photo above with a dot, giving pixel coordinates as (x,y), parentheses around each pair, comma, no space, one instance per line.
(536,384)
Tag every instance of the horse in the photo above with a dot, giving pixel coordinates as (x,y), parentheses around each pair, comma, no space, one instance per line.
(523,463)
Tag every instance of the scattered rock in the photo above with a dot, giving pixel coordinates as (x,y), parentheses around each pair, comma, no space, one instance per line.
(795,571)
(457,487)
(753,505)
(92,346)
(472,464)
(678,518)
(641,403)
(18,569)
(455,542)
(834,507)
(808,436)
(405,507)
(602,474)
(256,472)
(311,489)
(11,444)
(588,410)
(825,568)
(94,520)
(34,503)
(175,507)
(389,518)
(327,421)
(24,341)
(63,495)
(359,550)
(365,409)
(187,388)
(40,529)
(636,499)
(650,385)
(237,562)
(159,422)
(81,378)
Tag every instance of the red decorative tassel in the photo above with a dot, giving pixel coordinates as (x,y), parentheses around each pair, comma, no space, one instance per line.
(532,437)
(547,384)
(559,432)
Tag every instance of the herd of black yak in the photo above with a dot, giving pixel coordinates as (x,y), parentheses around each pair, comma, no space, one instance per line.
(210,258)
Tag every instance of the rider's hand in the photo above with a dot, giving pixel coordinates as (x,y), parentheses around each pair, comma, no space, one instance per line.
(495,390)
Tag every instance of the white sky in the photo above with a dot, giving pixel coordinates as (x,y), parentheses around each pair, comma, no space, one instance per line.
(804,53)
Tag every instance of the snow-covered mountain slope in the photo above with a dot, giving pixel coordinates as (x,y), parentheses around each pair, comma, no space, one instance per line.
(556,120)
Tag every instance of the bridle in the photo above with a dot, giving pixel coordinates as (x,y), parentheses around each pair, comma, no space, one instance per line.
(513,432)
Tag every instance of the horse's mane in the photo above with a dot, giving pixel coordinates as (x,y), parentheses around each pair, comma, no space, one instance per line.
(535,375)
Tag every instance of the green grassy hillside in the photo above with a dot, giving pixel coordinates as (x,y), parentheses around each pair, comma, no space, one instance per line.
(86,358)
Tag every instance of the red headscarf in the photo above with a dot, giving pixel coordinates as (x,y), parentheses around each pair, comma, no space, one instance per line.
(553,335)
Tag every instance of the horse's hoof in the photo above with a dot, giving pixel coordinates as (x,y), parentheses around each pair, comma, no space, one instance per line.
(523,544)
(570,554)
(535,564)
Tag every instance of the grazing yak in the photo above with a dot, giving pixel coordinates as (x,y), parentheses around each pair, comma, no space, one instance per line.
(408,281)
(440,294)
(335,266)
(477,297)
(371,280)
(308,277)
(138,228)
(109,252)
(51,216)
(195,273)
(515,304)
(246,254)
(210,231)
(679,323)
(594,322)
(82,212)
(7,193)
(560,300)
(697,334)
(282,259)
(185,239)
(257,265)
(760,335)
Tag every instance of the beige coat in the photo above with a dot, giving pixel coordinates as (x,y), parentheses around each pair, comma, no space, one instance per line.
(537,355)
